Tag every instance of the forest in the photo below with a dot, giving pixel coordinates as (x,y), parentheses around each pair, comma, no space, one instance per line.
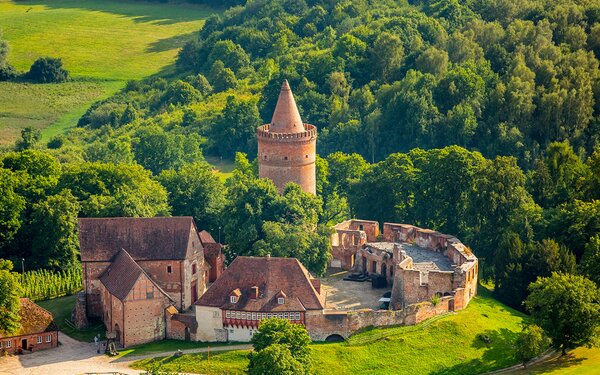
(476,118)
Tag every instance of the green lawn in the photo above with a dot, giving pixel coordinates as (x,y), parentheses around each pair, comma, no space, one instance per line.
(449,345)
(166,346)
(223,167)
(103,44)
(582,361)
(61,309)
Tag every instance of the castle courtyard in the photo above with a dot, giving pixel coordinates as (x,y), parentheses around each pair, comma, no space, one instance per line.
(349,295)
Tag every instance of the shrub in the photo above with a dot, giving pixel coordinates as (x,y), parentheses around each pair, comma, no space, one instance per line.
(47,70)
(7,72)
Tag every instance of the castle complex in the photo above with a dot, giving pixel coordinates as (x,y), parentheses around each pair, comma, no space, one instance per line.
(153,278)
(287,146)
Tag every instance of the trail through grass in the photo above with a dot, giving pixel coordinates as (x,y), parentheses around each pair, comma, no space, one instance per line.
(447,345)
(103,44)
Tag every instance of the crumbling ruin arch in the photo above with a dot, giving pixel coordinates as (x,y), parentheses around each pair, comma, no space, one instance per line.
(335,338)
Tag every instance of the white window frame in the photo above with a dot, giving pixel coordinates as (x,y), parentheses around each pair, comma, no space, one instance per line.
(253,316)
(286,316)
(280,300)
(39,339)
(0,344)
(48,338)
(269,315)
(233,299)
(264,315)
(228,314)
(243,316)
(238,315)
(8,344)
(297,316)
(280,315)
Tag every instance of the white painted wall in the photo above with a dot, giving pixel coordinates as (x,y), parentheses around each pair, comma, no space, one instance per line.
(240,334)
(209,321)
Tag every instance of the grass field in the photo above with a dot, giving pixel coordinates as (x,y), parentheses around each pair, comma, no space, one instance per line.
(103,44)
(61,309)
(449,345)
(581,361)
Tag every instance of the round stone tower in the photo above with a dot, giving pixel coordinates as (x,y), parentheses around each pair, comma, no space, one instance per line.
(287,147)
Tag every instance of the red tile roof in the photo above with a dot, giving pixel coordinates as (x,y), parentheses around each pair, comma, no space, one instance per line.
(120,277)
(206,237)
(34,319)
(156,238)
(272,276)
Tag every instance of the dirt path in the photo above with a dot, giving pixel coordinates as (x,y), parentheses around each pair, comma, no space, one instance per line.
(74,357)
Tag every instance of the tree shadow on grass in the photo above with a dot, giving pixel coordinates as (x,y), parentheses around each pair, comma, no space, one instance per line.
(170,43)
(498,346)
(140,11)
(553,364)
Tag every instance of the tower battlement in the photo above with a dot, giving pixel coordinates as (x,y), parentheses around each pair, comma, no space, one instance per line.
(287,146)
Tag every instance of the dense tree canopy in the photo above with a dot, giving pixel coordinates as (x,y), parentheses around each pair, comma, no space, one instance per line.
(10,291)
(567,307)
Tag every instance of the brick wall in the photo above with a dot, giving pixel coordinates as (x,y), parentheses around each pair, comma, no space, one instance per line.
(16,342)
(288,158)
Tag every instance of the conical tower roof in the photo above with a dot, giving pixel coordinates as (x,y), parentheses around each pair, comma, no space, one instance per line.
(286,118)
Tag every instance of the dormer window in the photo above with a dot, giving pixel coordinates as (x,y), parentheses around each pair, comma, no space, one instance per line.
(281,300)
(235,295)
(233,299)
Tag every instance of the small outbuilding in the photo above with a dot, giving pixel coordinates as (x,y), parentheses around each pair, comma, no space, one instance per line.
(38,331)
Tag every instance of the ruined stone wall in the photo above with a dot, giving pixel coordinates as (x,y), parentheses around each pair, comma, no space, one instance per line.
(287,158)
(145,321)
(345,323)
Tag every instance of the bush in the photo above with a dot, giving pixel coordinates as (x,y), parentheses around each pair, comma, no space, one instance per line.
(531,342)
(47,70)
(7,72)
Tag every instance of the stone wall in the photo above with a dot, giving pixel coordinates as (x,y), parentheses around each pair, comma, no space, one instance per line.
(321,325)
(210,324)
(348,238)
(287,158)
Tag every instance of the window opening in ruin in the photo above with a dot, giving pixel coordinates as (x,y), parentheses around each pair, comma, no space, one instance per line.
(280,300)
(374,267)
(360,227)
(194,269)
(233,299)
(169,269)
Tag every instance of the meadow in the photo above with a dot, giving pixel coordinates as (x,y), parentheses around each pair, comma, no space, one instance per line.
(103,44)
(448,345)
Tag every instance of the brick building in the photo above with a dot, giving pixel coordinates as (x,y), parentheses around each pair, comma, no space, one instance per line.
(213,253)
(419,263)
(140,273)
(287,146)
(37,331)
(256,288)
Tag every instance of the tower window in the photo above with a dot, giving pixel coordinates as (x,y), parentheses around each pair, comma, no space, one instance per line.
(285,158)
(169,269)
(264,157)
(306,156)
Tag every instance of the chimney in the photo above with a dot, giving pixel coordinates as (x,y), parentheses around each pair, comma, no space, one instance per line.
(317,284)
(254,292)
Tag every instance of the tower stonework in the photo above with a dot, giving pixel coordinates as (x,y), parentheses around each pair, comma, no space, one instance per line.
(287,147)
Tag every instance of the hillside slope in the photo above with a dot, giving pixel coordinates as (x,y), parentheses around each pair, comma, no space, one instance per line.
(447,345)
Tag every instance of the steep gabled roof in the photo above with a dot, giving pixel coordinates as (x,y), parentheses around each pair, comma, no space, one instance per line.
(155,238)
(122,274)
(286,118)
(206,237)
(272,276)
(34,319)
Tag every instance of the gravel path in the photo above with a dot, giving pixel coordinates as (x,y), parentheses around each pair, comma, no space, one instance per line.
(75,357)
